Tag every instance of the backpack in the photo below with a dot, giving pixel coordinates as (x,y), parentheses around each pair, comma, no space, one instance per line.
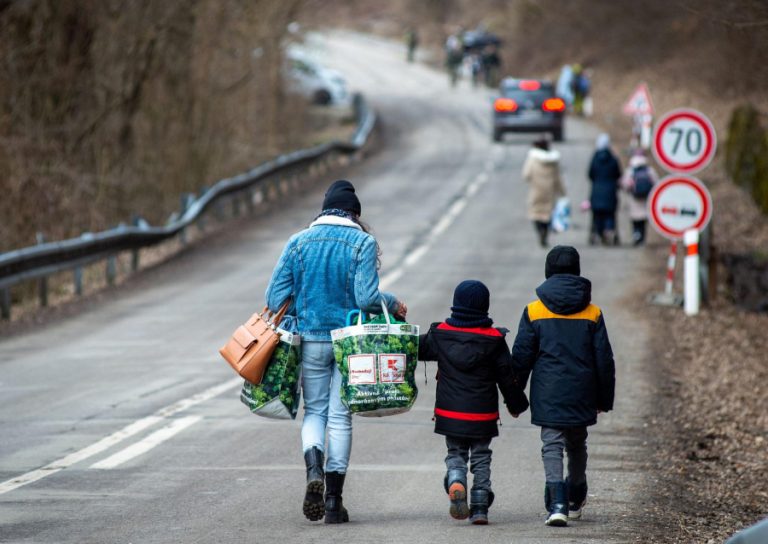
(643,182)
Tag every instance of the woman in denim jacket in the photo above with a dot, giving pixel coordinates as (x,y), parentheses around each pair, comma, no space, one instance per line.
(329,268)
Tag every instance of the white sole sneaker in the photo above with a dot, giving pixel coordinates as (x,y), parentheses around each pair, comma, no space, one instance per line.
(574,513)
(557,520)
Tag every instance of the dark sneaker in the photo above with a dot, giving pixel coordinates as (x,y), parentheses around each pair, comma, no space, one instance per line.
(577,498)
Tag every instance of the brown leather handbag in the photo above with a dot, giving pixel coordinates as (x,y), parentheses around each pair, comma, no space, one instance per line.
(250,348)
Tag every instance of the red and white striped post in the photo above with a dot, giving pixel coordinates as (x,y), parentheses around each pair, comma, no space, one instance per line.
(692,285)
(671,262)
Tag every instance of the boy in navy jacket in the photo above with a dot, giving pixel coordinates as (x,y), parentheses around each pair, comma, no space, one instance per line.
(562,343)
(472,360)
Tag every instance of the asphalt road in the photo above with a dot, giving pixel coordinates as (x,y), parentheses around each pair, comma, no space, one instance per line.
(123,425)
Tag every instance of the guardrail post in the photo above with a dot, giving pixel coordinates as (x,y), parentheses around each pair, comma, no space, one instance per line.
(138,221)
(186,202)
(111,269)
(200,223)
(5,303)
(42,286)
(236,205)
(250,200)
(78,278)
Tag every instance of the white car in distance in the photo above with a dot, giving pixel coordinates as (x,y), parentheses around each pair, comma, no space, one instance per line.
(323,86)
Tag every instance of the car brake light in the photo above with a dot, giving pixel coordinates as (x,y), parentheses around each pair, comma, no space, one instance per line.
(553,104)
(529,85)
(505,104)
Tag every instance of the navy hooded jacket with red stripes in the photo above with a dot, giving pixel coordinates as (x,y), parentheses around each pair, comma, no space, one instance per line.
(471,362)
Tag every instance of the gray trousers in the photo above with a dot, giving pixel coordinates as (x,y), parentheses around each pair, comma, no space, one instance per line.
(476,451)
(574,441)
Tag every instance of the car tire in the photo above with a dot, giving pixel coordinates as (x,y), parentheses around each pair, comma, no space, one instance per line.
(321,97)
(497,134)
(557,135)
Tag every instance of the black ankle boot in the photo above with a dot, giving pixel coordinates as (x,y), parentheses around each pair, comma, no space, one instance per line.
(334,508)
(480,501)
(314,507)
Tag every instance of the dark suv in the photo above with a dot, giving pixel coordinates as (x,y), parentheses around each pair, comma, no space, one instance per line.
(528,105)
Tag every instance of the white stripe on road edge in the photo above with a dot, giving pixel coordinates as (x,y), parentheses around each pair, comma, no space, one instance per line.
(143,446)
(440,227)
(117,437)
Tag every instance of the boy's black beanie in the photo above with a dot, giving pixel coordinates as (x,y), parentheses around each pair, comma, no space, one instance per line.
(562,260)
(471,301)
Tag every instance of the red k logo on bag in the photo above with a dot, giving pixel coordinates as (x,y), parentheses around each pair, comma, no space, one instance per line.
(392,368)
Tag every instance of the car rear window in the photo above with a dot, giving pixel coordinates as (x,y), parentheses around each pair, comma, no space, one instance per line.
(518,95)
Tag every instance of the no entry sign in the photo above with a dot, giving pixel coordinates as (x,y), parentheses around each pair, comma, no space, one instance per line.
(678,203)
(684,141)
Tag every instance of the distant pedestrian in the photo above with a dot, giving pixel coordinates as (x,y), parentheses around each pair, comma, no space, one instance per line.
(454,56)
(604,173)
(562,343)
(637,181)
(329,269)
(491,65)
(472,360)
(542,172)
(411,43)
(580,87)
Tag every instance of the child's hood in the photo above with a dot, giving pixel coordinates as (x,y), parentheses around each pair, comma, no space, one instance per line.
(468,348)
(565,294)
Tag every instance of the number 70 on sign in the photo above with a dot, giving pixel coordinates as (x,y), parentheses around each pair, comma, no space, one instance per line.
(684,141)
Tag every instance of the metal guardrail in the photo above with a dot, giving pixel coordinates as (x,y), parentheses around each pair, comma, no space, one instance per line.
(44,259)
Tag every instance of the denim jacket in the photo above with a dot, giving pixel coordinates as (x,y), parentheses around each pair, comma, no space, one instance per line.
(330,270)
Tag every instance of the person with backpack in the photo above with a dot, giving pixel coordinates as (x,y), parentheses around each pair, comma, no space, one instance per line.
(638,180)
(473,359)
(562,344)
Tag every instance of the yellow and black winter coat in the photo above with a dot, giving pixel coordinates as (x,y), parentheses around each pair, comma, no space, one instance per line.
(562,343)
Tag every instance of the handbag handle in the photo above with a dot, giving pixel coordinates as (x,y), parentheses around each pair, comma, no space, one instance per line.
(359,313)
(275,319)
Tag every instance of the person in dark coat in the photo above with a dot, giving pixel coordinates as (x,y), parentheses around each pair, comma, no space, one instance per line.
(604,172)
(472,360)
(562,344)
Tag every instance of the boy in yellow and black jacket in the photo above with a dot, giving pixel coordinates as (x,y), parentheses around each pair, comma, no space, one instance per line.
(562,343)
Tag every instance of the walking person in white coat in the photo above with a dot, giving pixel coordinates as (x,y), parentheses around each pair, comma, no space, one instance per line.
(542,172)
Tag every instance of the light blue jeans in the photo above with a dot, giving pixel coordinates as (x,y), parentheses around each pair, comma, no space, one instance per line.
(321,385)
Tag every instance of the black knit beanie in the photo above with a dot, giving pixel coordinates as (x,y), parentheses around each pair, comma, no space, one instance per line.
(471,301)
(341,195)
(562,260)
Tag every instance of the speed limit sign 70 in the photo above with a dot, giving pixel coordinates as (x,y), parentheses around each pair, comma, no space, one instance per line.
(684,141)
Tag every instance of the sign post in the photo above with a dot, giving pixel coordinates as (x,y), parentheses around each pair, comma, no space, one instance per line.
(640,108)
(680,206)
(676,205)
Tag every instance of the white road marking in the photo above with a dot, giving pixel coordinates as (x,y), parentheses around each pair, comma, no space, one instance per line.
(354,467)
(146,444)
(116,437)
(439,228)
